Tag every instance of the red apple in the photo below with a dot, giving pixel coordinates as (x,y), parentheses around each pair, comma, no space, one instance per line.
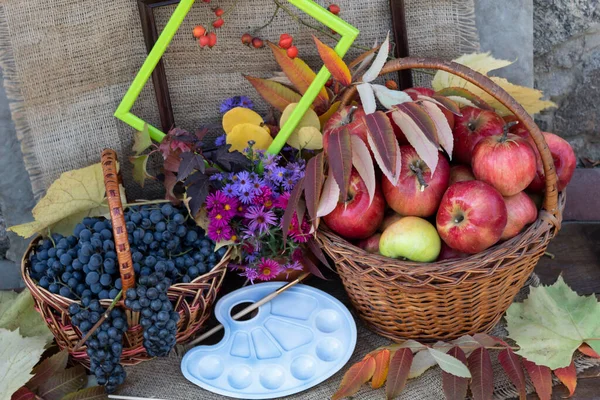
(472,216)
(517,129)
(370,244)
(357,219)
(350,117)
(564,163)
(507,162)
(448,253)
(388,220)
(521,212)
(460,173)
(470,128)
(417,193)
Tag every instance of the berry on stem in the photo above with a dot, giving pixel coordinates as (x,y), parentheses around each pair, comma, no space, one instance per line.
(204,41)
(198,31)
(247,39)
(218,23)
(292,52)
(219,11)
(212,39)
(258,43)
(285,41)
(390,84)
(334,9)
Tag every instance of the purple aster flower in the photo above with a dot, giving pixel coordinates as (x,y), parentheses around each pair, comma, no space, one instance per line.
(217,177)
(221,140)
(246,197)
(246,102)
(218,217)
(215,200)
(257,186)
(279,174)
(293,266)
(236,101)
(230,207)
(251,274)
(251,258)
(217,233)
(230,190)
(260,219)
(288,184)
(243,182)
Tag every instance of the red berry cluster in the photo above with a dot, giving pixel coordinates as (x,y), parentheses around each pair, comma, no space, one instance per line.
(255,42)
(209,39)
(286,42)
(335,10)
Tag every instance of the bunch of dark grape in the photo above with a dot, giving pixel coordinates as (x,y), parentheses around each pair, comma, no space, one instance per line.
(105,344)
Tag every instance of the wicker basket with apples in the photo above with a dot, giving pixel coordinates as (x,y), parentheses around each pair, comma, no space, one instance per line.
(454,246)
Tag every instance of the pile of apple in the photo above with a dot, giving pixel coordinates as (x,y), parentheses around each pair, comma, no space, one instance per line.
(488,193)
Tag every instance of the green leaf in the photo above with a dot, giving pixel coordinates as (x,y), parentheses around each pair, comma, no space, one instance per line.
(17,311)
(450,364)
(91,393)
(552,323)
(47,368)
(141,141)
(140,173)
(63,383)
(223,243)
(18,355)
(79,191)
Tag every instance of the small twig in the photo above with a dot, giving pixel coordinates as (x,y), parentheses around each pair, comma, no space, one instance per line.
(548,254)
(145,203)
(268,22)
(100,321)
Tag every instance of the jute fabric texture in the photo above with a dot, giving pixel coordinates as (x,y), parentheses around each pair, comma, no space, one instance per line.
(68,63)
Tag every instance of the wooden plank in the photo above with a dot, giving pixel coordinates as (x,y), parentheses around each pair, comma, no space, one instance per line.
(397,12)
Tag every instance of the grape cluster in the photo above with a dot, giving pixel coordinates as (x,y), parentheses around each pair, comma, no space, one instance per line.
(105,344)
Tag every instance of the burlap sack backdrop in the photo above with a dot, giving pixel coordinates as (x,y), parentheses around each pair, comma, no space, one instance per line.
(67,64)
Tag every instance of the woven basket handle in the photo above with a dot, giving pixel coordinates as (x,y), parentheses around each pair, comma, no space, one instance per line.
(111,182)
(485,83)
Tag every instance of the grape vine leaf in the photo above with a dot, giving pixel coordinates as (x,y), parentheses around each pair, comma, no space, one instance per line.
(233,161)
(198,188)
(141,141)
(18,355)
(140,171)
(17,311)
(552,323)
(79,191)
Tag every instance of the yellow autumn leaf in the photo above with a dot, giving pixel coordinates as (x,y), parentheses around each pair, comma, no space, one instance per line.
(74,195)
(529,98)
(307,134)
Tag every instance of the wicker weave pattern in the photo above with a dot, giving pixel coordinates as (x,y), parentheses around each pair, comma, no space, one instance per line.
(193,301)
(445,300)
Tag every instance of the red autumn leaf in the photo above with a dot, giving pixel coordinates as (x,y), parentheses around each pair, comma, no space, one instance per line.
(172,161)
(47,368)
(422,119)
(23,394)
(339,154)
(312,268)
(334,63)
(445,102)
(299,74)
(363,163)
(398,372)
(425,148)
(382,366)
(462,92)
(588,351)
(291,209)
(568,376)
(487,341)
(316,250)
(383,143)
(330,196)
(541,377)
(169,184)
(313,183)
(512,366)
(274,93)
(455,387)
(443,130)
(480,366)
(354,378)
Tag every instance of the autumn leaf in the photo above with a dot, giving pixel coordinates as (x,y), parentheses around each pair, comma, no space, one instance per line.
(18,311)
(274,93)
(18,355)
(464,97)
(367,97)
(450,364)
(363,163)
(455,387)
(339,153)
(382,365)
(384,144)
(307,134)
(389,98)
(327,115)
(355,377)
(425,148)
(480,62)
(541,377)
(79,191)
(141,141)
(552,323)
(422,361)
(299,74)
(442,128)
(23,394)
(290,210)
(514,370)
(91,393)
(330,196)
(380,60)
(588,351)
(482,383)
(63,383)
(334,63)
(568,376)
(47,368)
(140,172)
(398,372)
(313,184)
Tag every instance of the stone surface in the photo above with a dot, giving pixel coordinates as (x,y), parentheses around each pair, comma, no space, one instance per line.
(4,242)
(501,24)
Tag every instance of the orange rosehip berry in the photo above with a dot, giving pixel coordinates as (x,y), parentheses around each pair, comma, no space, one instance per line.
(285,41)
(292,52)
(219,11)
(198,31)
(203,41)
(218,23)
(247,39)
(257,43)
(334,9)
(392,85)
(212,39)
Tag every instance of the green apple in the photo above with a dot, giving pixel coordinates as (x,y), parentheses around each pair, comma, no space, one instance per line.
(412,238)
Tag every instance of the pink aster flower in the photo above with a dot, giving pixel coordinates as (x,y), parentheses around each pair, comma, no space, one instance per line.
(216,200)
(268,269)
(230,207)
(282,201)
(219,233)
(218,217)
(259,218)
(265,197)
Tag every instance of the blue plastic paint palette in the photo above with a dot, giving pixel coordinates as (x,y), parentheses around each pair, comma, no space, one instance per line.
(296,341)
